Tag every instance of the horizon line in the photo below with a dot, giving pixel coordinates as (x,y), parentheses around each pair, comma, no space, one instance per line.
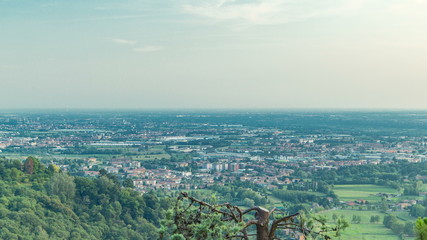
(213,109)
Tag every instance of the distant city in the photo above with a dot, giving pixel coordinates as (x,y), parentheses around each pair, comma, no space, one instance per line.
(193,151)
(295,161)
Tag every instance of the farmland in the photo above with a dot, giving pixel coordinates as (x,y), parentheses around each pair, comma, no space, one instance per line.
(365,229)
(363,191)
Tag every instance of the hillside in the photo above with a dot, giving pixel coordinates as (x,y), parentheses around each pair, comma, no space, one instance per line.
(42,203)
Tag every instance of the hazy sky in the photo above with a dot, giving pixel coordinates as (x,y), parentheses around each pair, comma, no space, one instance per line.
(213,54)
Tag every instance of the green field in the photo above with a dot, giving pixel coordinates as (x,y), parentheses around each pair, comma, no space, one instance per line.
(151,157)
(361,191)
(363,230)
(404,216)
(368,231)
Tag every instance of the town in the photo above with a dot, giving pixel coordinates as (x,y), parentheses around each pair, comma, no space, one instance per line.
(267,152)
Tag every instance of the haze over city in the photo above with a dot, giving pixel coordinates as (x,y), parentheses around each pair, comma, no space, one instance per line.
(213,54)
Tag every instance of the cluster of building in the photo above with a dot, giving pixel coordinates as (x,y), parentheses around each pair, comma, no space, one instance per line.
(171,152)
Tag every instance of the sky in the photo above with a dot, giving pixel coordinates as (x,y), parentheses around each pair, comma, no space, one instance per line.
(213,54)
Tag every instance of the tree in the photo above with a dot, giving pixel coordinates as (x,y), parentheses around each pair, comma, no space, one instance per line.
(15,173)
(418,210)
(53,169)
(103,172)
(196,219)
(356,219)
(31,165)
(63,186)
(248,202)
(334,217)
(397,227)
(374,219)
(421,229)
(409,228)
(128,183)
(389,220)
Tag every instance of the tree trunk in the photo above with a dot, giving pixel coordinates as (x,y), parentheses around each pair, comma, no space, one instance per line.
(262,227)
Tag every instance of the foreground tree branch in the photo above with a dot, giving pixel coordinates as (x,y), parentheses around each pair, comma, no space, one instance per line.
(266,225)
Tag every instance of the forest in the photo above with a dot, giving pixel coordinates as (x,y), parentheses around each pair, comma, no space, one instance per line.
(38,202)
(42,202)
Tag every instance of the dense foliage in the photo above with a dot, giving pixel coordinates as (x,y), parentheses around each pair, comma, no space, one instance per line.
(421,228)
(237,194)
(42,203)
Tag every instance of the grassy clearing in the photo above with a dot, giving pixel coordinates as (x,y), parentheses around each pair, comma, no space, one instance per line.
(275,201)
(348,214)
(152,153)
(20,156)
(369,232)
(363,230)
(151,157)
(361,191)
(85,156)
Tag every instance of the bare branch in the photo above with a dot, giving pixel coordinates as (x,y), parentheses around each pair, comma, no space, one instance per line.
(250,210)
(250,222)
(204,204)
(272,210)
(286,218)
(276,223)
(278,210)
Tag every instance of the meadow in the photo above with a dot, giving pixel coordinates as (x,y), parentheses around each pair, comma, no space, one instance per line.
(367,192)
(364,229)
